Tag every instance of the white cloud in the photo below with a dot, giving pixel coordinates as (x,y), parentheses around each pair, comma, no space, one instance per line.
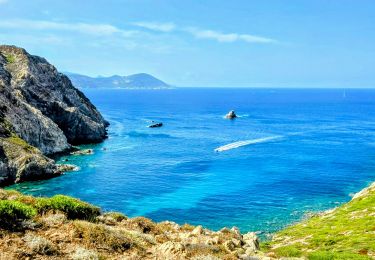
(93,29)
(205,34)
(162,27)
(227,37)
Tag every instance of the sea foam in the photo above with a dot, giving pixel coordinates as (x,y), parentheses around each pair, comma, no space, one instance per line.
(247,142)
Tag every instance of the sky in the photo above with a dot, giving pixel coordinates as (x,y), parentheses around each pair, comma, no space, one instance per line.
(210,43)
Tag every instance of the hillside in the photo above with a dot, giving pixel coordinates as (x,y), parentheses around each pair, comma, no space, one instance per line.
(346,232)
(62,227)
(65,228)
(136,81)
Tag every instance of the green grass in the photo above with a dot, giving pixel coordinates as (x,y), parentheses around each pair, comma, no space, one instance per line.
(324,255)
(12,212)
(73,208)
(348,230)
(288,251)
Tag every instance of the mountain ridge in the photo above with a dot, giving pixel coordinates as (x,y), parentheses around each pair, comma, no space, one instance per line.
(133,81)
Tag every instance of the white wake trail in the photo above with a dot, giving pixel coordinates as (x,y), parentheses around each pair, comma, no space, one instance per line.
(246,142)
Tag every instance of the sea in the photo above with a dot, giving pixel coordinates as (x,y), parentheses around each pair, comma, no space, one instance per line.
(290,153)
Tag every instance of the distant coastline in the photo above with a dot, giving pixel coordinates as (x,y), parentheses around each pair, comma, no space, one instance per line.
(135,81)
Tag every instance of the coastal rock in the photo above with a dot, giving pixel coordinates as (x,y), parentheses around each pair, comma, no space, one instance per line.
(67,167)
(83,152)
(170,250)
(20,162)
(56,113)
(251,242)
(231,115)
(41,113)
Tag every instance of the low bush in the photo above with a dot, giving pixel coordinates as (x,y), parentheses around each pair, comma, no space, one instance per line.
(39,245)
(73,208)
(13,212)
(102,236)
(85,254)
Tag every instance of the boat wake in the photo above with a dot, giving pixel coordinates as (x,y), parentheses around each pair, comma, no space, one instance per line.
(247,142)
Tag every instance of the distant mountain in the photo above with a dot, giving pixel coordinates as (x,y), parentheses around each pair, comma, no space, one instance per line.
(136,81)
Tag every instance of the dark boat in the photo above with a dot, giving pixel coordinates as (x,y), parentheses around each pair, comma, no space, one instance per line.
(156,125)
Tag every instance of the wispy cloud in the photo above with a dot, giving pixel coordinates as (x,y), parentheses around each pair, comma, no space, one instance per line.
(227,37)
(204,34)
(161,27)
(93,29)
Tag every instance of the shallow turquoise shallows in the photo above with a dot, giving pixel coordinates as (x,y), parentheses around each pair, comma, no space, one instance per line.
(303,151)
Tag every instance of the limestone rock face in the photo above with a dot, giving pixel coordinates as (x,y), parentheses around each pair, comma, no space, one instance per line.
(41,113)
(56,113)
(20,161)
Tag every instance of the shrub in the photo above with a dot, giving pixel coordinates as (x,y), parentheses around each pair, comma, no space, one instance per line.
(73,208)
(142,224)
(10,58)
(116,216)
(12,212)
(84,254)
(39,245)
(99,235)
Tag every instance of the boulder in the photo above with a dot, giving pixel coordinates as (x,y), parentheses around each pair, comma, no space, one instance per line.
(231,115)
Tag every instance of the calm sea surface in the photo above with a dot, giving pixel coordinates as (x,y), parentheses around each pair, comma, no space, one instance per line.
(305,150)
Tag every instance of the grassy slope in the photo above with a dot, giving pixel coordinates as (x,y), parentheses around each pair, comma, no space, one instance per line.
(347,232)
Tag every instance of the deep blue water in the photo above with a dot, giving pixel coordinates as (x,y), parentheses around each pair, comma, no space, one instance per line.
(324,149)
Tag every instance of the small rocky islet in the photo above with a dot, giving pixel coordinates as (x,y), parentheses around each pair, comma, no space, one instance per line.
(42,113)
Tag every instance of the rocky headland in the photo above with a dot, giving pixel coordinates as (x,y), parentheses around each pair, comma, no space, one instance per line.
(41,113)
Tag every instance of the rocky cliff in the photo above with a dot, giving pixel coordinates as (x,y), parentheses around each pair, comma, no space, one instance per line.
(42,108)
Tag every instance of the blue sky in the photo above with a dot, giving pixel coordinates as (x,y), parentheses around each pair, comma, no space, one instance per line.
(273,43)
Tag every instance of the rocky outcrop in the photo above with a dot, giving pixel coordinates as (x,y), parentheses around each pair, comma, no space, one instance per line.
(43,110)
(53,100)
(20,161)
(231,115)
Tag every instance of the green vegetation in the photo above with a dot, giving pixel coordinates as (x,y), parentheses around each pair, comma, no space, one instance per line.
(347,232)
(324,255)
(288,251)
(117,216)
(73,208)
(12,212)
(20,142)
(10,58)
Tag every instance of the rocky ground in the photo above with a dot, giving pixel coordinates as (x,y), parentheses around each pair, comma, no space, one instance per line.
(66,228)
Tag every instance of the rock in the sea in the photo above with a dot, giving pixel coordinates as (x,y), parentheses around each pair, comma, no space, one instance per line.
(83,152)
(231,115)
(67,167)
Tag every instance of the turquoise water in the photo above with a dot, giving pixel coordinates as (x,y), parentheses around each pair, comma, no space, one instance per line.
(302,151)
